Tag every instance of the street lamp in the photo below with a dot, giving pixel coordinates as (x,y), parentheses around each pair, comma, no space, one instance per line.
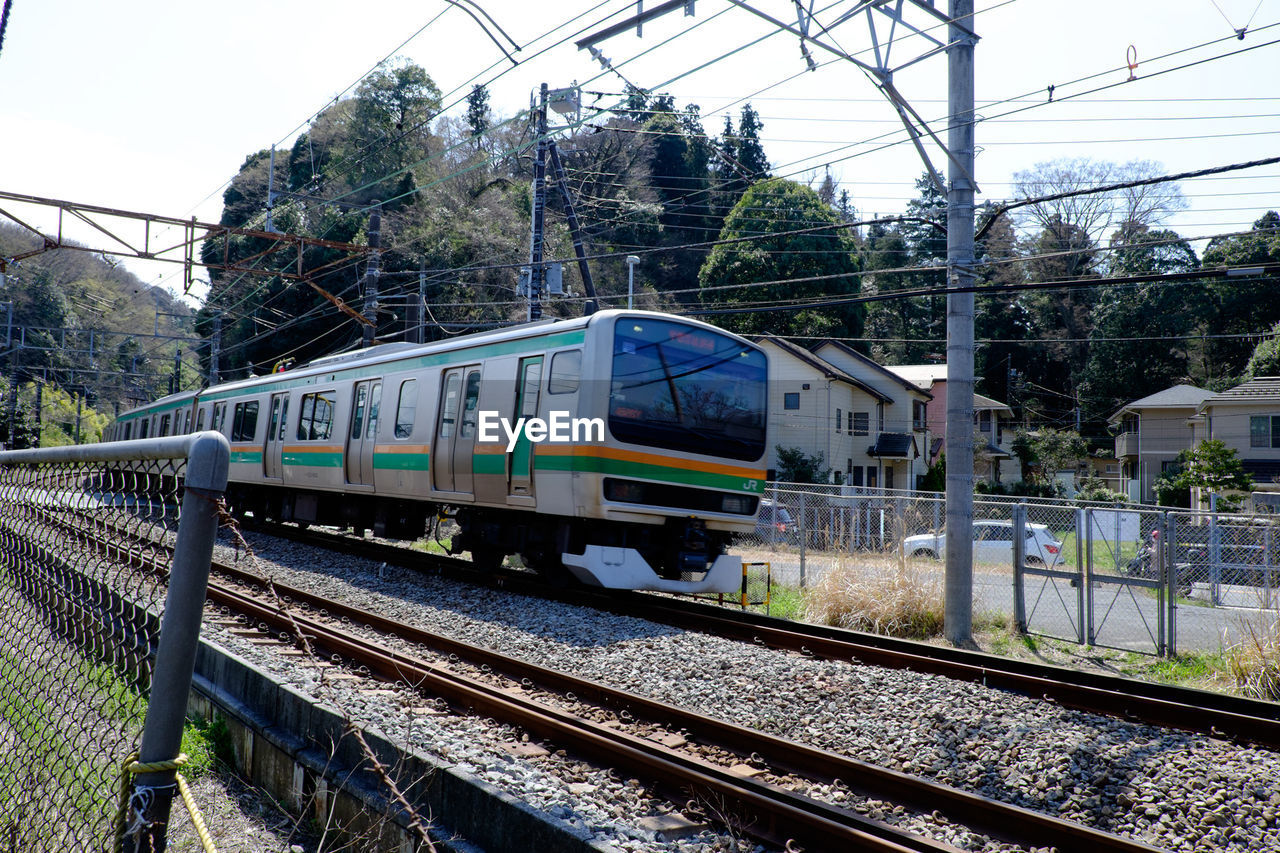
(632,260)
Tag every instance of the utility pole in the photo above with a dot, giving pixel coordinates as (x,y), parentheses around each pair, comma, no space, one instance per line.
(537,274)
(371,276)
(175,381)
(960,194)
(415,318)
(215,350)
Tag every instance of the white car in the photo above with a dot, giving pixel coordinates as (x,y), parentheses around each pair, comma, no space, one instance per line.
(993,543)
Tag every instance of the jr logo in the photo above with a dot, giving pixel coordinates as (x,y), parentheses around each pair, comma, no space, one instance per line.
(749,485)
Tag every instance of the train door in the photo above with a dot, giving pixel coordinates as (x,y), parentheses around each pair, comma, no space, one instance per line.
(365,403)
(528,385)
(271,449)
(456,430)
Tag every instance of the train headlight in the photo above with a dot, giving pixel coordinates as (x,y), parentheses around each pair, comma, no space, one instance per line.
(740,504)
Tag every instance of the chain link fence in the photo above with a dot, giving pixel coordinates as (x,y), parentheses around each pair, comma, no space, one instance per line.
(1133,577)
(85,679)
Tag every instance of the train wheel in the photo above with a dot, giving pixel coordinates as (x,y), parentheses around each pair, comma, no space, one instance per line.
(487,559)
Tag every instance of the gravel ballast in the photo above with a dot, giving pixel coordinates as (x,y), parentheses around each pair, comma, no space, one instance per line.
(1171,789)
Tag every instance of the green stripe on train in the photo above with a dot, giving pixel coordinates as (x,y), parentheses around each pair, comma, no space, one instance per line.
(254,456)
(313,459)
(402,461)
(649,471)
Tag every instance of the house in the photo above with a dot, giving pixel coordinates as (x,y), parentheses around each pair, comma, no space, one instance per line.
(855,414)
(1246,419)
(1151,432)
(992,421)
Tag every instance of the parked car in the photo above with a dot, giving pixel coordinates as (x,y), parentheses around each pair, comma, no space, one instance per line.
(774,523)
(993,543)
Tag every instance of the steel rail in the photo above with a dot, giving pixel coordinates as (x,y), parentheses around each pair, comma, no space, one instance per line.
(1231,717)
(992,817)
(767,812)
(989,816)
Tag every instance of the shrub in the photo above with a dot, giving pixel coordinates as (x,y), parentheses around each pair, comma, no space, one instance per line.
(1254,662)
(892,600)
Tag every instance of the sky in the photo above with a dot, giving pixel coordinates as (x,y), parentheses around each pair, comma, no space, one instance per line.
(153,105)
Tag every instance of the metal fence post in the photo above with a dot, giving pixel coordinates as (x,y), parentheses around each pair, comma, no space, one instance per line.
(1086,578)
(1162,565)
(804,510)
(1215,553)
(1171,573)
(1019,563)
(1080,546)
(206,481)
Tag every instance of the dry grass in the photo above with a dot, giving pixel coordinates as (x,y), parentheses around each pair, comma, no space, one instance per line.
(1254,662)
(895,600)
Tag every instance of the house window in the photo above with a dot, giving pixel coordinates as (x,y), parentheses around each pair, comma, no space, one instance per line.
(879,417)
(871,477)
(917,414)
(888,478)
(984,420)
(791,400)
(1264,431)
(838,420)
(848,466)
(857,475)
(850,427)
(861,423)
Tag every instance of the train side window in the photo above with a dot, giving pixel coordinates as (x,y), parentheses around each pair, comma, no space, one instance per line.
(316,422)
(449,407)
(566,372)
(200,421)
(357,417)
(128,431)
(219,417)
(143,425)
(375,403)
(470,401)
(164,425)
(407,408)
(245,422)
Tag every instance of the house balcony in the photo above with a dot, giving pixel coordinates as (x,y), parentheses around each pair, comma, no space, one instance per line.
(1127,445)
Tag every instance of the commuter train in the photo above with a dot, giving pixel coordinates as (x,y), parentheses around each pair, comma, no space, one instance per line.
(625,447)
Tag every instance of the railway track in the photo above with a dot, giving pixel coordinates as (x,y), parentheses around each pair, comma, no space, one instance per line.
(1235,718)
(765,807)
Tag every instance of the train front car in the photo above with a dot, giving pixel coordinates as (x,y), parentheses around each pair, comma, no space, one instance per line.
(681,468)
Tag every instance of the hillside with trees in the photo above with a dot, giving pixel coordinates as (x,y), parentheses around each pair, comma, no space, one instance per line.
(717,234)
(86,335)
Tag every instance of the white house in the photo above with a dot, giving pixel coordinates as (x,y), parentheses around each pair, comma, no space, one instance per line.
(859,417)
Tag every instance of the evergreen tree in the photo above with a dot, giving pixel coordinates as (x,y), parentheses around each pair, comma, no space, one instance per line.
(478,110)
(814,265)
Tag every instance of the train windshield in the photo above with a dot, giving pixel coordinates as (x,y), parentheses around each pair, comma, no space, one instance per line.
(687,388)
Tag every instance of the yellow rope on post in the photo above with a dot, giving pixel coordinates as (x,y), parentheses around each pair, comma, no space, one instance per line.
(133,767)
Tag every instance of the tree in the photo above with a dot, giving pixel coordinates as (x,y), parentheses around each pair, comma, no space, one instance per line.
(796,466)
(1211,467)
(1265,360)
(478,110)
(1045,452)
(1241,305)
(811,265)
(1123,363)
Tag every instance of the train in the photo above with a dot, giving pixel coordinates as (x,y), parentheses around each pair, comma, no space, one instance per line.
(623,449)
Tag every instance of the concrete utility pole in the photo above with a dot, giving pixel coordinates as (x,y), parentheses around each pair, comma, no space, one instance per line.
(371,275)
(215,349)
(960,193)
(537,273)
